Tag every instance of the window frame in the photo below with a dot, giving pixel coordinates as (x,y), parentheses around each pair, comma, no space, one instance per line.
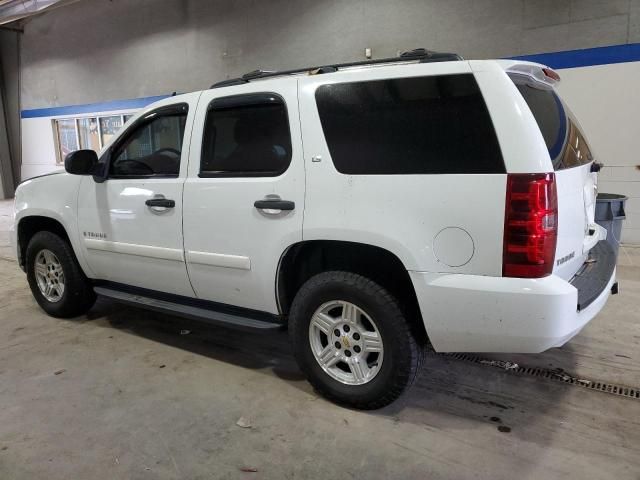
(108,157)
(245,100)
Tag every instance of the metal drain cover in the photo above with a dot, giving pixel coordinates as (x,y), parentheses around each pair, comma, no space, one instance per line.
(558,375)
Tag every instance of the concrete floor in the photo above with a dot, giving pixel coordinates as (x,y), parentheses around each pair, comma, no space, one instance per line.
(121,394)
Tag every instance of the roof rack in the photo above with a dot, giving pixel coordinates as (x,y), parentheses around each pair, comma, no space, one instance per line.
(419,55)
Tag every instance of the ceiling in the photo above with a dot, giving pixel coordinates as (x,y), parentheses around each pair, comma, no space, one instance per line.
(14,10)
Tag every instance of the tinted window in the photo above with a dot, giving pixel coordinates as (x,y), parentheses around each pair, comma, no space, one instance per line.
(246,136)
(437,124)
(565,142)
(152,148)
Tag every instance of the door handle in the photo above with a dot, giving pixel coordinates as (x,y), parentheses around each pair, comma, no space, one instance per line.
(160,202)
(274,204)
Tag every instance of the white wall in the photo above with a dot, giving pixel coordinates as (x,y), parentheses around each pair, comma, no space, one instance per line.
(38,148)
(606,100)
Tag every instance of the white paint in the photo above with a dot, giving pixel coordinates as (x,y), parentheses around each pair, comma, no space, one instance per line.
(465,308)
(147,251)
(453,246)
(603,98)
(56,197)
(405,213)
(145,246)
(472,313)
(521,142)
(219,260)
(220,217)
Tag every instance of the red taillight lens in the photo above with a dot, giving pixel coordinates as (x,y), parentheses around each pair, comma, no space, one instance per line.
(530,225)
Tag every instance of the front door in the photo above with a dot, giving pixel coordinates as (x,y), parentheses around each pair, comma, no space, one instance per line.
(244,196)
(131,223)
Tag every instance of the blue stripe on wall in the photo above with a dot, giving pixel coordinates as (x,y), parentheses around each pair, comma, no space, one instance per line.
(566,59)
(131,104)
(587,57)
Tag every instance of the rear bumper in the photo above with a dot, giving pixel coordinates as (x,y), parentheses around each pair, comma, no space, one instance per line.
(594,275)
(472,313)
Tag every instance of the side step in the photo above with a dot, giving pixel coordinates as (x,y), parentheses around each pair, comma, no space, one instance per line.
(207,315)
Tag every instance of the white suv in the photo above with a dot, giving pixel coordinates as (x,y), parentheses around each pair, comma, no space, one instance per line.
(370,208)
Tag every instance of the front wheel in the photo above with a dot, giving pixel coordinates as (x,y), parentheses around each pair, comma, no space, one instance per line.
(352,341)
(56,280)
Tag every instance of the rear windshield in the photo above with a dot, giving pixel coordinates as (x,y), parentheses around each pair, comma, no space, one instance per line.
(565,142)
(419,125)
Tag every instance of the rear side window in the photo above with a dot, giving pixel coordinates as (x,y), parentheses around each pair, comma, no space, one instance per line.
(420,125)
(566,144)
(246,135)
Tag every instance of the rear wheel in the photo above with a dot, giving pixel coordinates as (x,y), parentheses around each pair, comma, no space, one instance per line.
(56,280)
(352,341)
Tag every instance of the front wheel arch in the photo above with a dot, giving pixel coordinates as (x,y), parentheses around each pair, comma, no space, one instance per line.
(30,225)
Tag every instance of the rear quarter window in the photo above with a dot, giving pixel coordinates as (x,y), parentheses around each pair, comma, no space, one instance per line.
(565,141)
(418,125)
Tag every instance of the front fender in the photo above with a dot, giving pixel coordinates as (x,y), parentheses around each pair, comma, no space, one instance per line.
(54,197)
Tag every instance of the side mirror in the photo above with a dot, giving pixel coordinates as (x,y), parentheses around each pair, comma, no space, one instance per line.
(81,162)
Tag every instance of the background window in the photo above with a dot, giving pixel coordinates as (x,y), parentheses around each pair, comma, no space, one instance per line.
(88,133)
(421,125)
(246,140)
(151,149)
(109,126)
(67,137)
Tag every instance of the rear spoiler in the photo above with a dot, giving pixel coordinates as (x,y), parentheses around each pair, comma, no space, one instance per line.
(538,74)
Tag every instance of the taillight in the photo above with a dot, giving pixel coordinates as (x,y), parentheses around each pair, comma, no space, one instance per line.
(530,225)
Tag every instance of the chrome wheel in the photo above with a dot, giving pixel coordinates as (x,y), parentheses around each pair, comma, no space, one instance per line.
(49,275)
(346,343)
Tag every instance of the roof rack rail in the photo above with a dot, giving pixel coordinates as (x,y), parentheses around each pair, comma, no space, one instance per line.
(420,55)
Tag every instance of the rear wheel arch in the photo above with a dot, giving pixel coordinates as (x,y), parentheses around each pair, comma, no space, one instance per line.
(301,261)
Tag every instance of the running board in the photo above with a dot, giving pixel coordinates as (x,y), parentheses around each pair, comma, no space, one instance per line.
(213,317)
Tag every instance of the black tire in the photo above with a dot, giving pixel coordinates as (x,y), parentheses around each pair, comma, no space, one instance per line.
(78,296)
(403,354)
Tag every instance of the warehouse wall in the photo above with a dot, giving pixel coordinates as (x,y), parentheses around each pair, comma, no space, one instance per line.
(98,50)
(102,50)
(605,99)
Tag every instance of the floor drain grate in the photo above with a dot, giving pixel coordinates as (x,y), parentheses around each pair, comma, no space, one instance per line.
(558,375)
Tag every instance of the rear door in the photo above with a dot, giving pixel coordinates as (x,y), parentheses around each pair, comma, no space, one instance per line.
(577,185)
(244,196)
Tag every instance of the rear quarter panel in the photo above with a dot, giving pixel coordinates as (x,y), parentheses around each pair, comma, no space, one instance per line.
(401,213)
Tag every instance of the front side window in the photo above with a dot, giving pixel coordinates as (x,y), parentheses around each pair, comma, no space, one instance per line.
(246,136)
(566,143)
(419,125)
(153,148)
